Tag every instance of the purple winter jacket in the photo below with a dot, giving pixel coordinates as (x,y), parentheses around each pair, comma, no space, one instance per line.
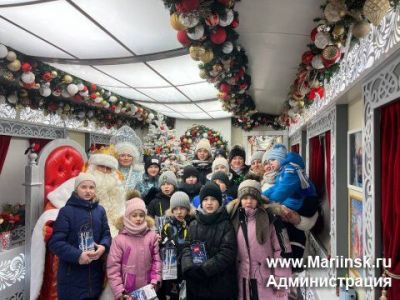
(256,267)
(133,262)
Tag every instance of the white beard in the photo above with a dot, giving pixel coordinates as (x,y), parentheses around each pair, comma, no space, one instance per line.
(110,193)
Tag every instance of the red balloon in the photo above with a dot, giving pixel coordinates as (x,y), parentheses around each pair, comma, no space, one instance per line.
(183,38)
(219,36)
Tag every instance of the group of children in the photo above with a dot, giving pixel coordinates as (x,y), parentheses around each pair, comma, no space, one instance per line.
(205,245)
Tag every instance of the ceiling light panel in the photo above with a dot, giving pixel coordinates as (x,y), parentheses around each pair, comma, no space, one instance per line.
(178,70)
(169,94)
(89,74)
(220,114)
(143,26)
(129,93)
(63,25)
(211,105)
(197,116)
(136,75)
(200,91)
(26,42)
(174,115)
(155,106)
(185,108)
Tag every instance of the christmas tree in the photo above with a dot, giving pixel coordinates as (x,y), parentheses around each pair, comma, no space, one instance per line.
(162,141)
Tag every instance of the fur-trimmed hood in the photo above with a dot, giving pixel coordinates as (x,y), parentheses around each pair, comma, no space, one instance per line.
(119,223)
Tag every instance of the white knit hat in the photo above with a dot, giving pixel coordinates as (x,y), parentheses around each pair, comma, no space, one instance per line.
(100,159)
(258,155)
(83,177)
(220,161)
(127,148)
(203,144)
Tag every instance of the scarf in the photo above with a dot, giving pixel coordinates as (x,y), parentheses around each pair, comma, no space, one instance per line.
(134,229)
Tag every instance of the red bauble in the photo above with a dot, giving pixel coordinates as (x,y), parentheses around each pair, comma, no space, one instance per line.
(78,97)
(313,34)
(212,20)
(93,96)
(47,76)
(224,2)
(224,88)
(93,87)
(84,89)
(235,23)
(26,67)
(307,57)
(187,5)
(239,74)
(218,36)
(35,147)
(315,93)
(183,38)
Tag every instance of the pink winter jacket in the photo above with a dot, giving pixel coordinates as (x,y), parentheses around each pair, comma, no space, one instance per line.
(256,268)
(133,262)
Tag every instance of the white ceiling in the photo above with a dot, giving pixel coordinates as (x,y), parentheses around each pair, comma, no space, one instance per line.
(274,34)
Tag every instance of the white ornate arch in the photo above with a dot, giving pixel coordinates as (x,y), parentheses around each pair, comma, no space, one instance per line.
(379,89)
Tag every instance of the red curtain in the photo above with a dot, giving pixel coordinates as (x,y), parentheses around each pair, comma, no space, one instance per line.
(390,194)
(317,164)
(4,144)
(328,165)
(295,148)
(40,142)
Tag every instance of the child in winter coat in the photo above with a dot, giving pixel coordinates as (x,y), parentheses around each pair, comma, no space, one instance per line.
(220,164)
(167,184)
(257,241)
(213,276)
(222,180)
(190,182)
(134,259)
(174,235)
(291,185)
(147,187)
(80,238)
(203,159)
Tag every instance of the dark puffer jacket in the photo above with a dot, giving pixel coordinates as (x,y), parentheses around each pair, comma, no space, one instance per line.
(191,189)
(75,281)
(215,278)
(159,205)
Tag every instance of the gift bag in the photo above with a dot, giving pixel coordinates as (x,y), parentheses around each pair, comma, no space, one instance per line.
(169,263)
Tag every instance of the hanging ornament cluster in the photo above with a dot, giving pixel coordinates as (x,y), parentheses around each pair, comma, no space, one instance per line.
(39,86)
(343,21)
(207,29)
(197,132)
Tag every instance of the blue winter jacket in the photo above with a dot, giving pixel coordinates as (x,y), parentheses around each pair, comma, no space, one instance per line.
(287,189)
(75,281)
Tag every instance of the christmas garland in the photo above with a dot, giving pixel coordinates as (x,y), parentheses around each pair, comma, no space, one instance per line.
(207,29)
(26,82)
(343,24)
(196,132)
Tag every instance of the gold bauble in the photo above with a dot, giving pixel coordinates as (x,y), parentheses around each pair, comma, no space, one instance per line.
(68,79)
(11,56)
(361,29)
(301,104)
(207,56)
(14,66)
(54,74)
(375,10)
(338,30)
(203,74)
(196,52)
(175,23)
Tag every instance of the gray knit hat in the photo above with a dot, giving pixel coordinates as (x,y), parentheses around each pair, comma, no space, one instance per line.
(167,177)
(258,155)
(221,176)
(250,187)
(179,199)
